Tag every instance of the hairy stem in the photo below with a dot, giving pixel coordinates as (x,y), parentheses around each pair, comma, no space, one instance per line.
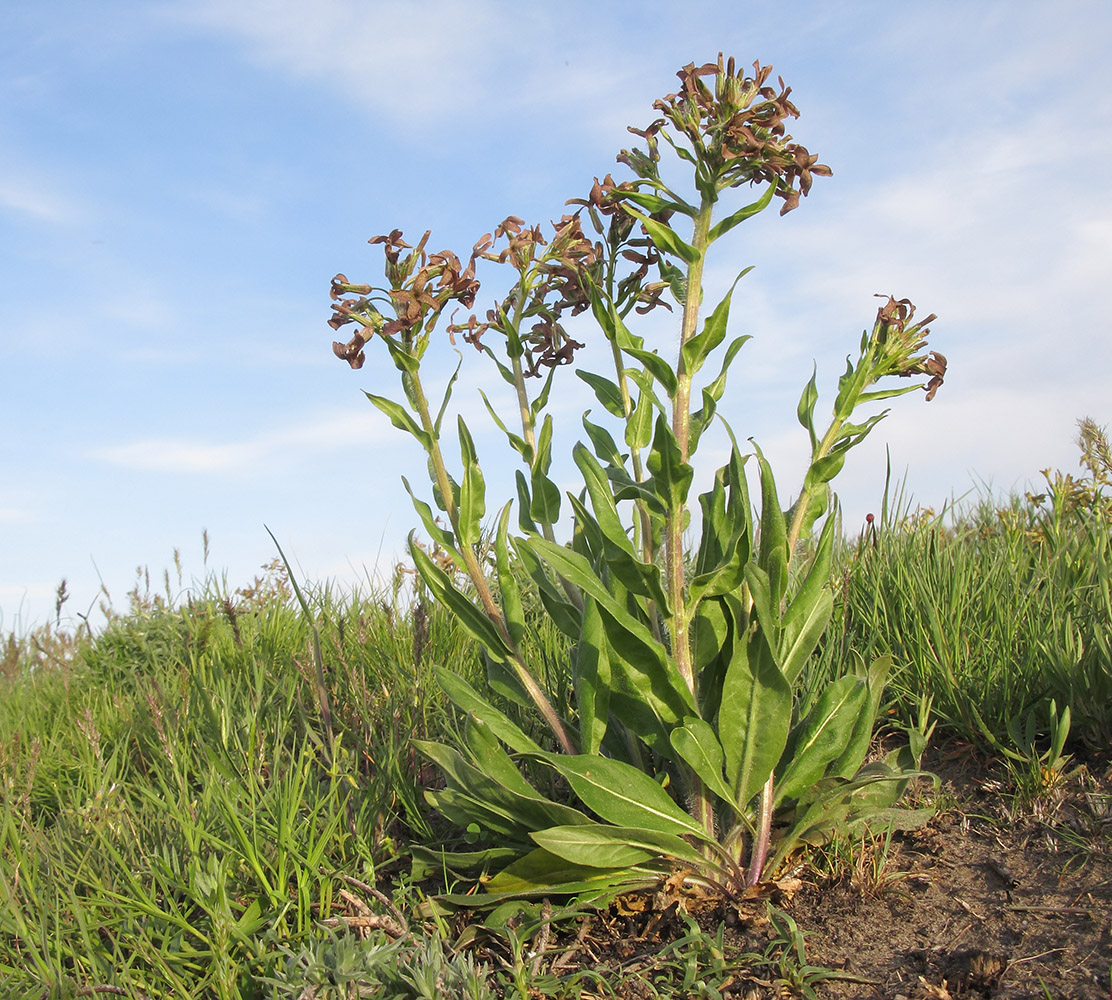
(702,806)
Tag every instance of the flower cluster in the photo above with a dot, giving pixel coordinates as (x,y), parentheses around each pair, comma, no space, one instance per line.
(899,343)
(737,131)
(551,282)
(421,285)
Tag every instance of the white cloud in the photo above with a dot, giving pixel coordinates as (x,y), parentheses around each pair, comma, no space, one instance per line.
(34,197)
(325,433)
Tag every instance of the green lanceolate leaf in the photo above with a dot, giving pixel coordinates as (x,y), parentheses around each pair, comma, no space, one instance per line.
(666,239)
(512,611)
(656,366)
(524,504)
(671,474)
(754,717)
(516,441)
(821,737)
(520,812)
(592,680)
(545,504)
(796,649)
(541,873)
(605,447)
(639,426)
(599,846)
(640,657)
(640,578)
(857,746)
(607,393)
(473,619)
(468,700)
(445,539)
(444,401)
(401,419)
(805,411)
(623,795)
(698,348)
(495,763)
(698,745)
(654,203)
(565,616)
(809,612)
(774,553)
(742,214)
(544,507)
(472,494)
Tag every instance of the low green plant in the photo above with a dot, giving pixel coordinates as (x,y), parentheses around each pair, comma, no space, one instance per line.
(680,744)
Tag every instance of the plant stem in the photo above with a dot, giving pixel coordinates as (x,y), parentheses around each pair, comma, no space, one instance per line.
(702,806)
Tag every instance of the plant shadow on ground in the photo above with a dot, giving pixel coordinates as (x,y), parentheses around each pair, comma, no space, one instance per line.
(993,898)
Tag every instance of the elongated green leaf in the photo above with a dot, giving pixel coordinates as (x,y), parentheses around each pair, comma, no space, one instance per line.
(516,441)
(638,651)
(599,846)
(462,809)
(754,717)
(671,474)
(592,680)
(698,348)
(821,737)
(545,504)
(401,419)
(805,411)
(623,795)
(850,759)
(656,366)
(541,873)
(522,811)
(698,745)
(541,400)
(444,538)
(429,862)
(795,652)
(666,239)
(560,610)
(472,494)
(742,214)
(492,761)
(468,700)
(544,446)
(512,611)
(606,392)
(524,504)
(473,619)
(774,553)
(639,426)
(654,203)
(605,447)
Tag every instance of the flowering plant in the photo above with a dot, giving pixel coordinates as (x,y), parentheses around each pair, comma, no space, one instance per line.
(687,749)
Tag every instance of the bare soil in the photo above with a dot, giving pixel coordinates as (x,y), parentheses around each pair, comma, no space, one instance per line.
(994,898)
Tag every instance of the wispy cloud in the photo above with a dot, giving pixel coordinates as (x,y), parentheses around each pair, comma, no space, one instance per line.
(184,456)
(32,196)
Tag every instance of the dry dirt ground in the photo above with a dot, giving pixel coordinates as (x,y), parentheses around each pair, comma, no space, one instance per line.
(994,898)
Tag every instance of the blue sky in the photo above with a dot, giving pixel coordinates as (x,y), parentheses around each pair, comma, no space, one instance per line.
(180,180)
